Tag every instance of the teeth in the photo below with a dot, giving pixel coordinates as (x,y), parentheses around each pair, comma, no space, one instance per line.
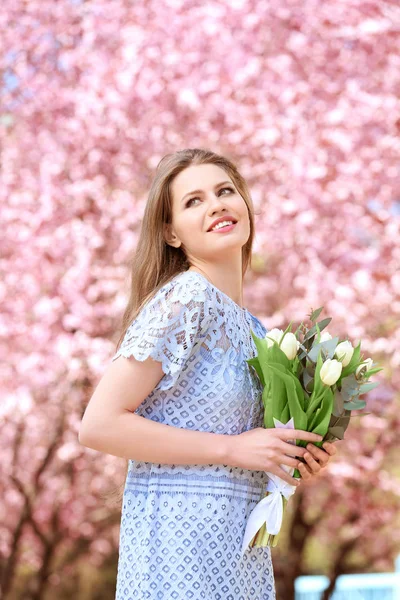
(222,224)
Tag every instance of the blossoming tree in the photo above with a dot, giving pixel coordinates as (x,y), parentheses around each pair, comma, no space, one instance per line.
(305,101)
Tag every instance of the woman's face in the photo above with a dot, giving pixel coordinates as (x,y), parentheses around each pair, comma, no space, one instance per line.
(194,213)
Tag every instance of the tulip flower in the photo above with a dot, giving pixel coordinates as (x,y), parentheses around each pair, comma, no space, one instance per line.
(344,352)
(273,335)
(365,366)
(289,345)
(325,336)
(330,371)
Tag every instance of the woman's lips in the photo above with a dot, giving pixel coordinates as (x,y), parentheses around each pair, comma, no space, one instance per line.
(223,229)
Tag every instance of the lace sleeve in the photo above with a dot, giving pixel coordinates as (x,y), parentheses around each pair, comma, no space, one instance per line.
(169,327)
(259,329)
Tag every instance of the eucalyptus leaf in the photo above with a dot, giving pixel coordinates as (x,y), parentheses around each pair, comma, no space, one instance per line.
(322,324)
(315,314)
(338,404)
(355,405)
(343,420)
(307,378)
(350,387)
(328,349)
(366,387)
(330,438)
(304,353)
(337,431)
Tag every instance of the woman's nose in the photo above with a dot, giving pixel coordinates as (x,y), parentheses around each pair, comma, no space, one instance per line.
(215,204)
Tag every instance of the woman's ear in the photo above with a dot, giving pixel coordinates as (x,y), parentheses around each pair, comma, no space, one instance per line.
(170,237)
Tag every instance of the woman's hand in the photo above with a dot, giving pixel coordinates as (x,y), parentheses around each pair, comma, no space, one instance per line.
(316,459)
(263,449)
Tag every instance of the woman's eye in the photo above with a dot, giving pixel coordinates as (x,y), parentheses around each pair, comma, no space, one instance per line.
(196,198)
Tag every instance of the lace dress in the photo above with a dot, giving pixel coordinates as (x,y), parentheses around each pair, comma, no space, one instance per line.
(182,525)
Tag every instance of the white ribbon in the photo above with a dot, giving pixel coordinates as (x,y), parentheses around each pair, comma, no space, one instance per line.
(270,509)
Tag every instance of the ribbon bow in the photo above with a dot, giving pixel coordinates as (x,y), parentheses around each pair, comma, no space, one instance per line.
(270,509)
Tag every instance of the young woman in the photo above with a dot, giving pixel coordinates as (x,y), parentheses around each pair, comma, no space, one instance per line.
(181,403)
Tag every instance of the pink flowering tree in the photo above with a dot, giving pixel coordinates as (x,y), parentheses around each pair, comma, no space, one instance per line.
(306,101)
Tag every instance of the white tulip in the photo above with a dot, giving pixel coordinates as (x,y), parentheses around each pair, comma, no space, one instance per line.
(366,365)
(276,334)
(325,336)
(289,345)
(344,351)
(330,371)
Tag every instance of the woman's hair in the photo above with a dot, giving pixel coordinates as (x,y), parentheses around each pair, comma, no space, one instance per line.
(154,262)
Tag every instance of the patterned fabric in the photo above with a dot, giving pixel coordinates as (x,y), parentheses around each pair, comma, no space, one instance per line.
(182,526)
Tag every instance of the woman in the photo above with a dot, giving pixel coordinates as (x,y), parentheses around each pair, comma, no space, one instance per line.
(182,404)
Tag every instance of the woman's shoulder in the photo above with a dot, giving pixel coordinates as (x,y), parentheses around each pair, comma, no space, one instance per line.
(185,287)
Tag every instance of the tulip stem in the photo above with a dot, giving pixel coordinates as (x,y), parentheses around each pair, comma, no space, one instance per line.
(262,538)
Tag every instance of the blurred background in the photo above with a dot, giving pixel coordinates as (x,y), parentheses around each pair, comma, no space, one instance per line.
(304,96)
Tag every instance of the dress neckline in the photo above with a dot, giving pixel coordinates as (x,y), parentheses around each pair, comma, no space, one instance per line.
(241,308)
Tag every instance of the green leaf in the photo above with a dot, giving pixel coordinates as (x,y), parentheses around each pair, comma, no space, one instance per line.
(366,387)
(321,418)
(299,329)
(350,387)
(337,431)
(269,354)
(328,349)
(372,372)
(338,403)
(355,405)
(322,324)
(342,422)
(315,314)
(290,389)
(285,416)
(304,353)
(253,362)
(318,393)
(307,378)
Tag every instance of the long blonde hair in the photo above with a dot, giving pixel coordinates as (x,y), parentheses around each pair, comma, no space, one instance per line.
(154,262)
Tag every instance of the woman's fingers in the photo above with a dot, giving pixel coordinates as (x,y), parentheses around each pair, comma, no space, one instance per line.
(298,434)
(304,472)
(313,464)
(290,462)
(292,450)
(321,455)
(330,448)
(316,459)
(285,476)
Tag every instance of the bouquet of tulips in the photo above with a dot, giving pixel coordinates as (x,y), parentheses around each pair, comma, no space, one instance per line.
(311,382)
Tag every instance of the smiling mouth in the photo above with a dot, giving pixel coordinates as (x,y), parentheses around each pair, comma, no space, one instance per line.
(225,228)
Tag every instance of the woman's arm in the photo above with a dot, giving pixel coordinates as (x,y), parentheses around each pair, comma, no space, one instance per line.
(110,426)
(133,436)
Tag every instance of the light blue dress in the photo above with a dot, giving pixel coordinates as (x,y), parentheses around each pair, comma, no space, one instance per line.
(182,525)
